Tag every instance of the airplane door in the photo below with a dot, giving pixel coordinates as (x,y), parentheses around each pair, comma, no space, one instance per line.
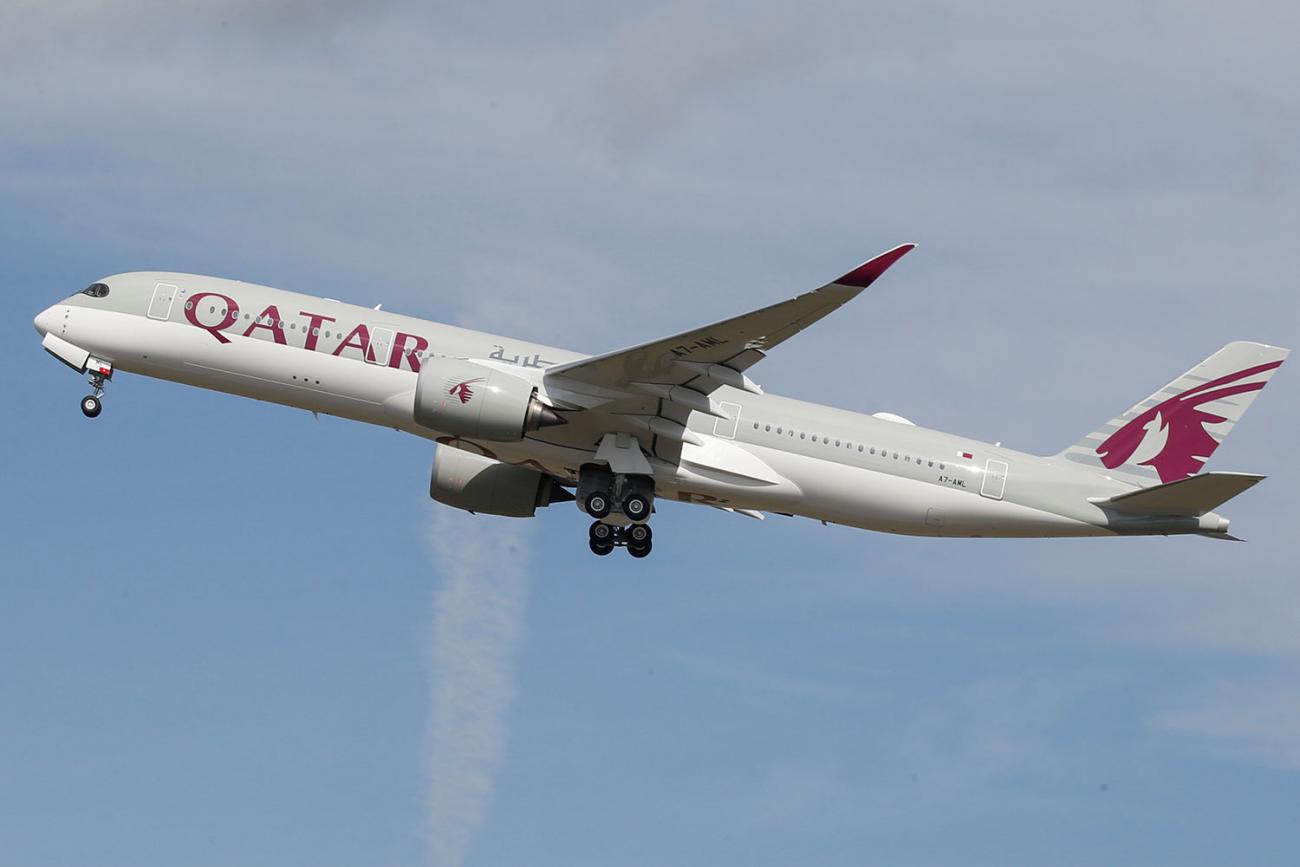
(160,306)
(995,479)
(381,343)
(726,427)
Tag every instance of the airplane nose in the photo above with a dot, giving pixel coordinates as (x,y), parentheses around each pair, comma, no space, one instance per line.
(46,321)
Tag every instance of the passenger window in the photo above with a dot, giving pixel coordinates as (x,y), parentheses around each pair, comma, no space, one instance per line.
(860,449)
(768,427)
(803,436)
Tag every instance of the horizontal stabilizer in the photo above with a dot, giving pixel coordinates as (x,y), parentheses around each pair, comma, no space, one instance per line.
(1191,496)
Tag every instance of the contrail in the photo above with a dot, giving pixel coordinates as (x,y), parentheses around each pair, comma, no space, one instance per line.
(478,624)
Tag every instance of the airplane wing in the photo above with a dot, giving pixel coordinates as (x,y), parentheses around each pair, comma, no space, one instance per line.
(686,367)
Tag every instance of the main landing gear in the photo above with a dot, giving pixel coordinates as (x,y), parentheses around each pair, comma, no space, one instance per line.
(621,504)
(100,373)
(606,537)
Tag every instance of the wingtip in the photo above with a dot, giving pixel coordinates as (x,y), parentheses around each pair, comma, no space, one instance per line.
(868,272)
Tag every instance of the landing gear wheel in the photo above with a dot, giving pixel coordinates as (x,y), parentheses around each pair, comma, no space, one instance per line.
(602,533)
(598,504)
(91,406)
(638,534)
(636,507)
(600,548)
(638,549)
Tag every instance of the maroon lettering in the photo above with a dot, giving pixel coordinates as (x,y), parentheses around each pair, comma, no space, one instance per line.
(411,355)
(272,324)
(362,335)
(231,310)
(313,330)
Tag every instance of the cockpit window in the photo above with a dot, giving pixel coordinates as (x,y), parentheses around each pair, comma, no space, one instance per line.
(95,290)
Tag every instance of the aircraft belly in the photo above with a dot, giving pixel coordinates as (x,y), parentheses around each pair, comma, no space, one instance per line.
(872,500)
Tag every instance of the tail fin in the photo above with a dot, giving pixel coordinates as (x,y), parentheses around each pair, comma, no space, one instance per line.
(1171,434)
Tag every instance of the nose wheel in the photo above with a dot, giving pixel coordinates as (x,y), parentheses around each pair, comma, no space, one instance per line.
(100,372)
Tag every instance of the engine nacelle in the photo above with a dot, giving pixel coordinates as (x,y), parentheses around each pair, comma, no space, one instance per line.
(471,400)
(478,484)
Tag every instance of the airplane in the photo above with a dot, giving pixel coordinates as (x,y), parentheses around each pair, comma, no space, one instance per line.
(520,426)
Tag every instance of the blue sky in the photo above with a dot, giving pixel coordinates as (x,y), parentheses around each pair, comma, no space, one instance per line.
(230,633)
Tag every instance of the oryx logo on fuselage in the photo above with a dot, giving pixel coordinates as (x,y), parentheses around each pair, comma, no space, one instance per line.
(1171,436)
(461,388)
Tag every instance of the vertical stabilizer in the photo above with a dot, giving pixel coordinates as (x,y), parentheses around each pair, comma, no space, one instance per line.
(1170,435)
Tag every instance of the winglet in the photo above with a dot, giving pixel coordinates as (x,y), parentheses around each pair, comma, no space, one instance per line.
(866,273)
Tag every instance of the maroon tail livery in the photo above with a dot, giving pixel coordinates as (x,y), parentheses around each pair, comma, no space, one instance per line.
(1170,435)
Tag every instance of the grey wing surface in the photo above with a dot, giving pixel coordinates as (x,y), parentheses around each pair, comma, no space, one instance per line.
(718,354)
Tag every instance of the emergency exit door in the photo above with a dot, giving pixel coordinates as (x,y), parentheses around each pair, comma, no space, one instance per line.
(995,479)
(381,342)
(160,306)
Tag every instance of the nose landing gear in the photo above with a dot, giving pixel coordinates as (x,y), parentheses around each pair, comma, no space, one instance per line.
(100,373)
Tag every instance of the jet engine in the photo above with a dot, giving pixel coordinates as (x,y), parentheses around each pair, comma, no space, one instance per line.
(478,484)
(471,400)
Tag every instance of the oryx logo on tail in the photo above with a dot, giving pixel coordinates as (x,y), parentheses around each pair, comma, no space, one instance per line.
(1171,436)
(461,388)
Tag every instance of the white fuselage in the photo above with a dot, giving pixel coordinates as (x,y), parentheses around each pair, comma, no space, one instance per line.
(772,454)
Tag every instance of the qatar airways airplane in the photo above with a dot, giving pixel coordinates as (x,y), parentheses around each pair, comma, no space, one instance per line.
(521,426)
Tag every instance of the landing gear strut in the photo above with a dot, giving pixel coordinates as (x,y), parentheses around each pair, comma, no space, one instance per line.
(622,525)
(100,373)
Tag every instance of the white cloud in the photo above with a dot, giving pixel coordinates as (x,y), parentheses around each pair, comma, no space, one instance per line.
(479,612)
(674,58)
